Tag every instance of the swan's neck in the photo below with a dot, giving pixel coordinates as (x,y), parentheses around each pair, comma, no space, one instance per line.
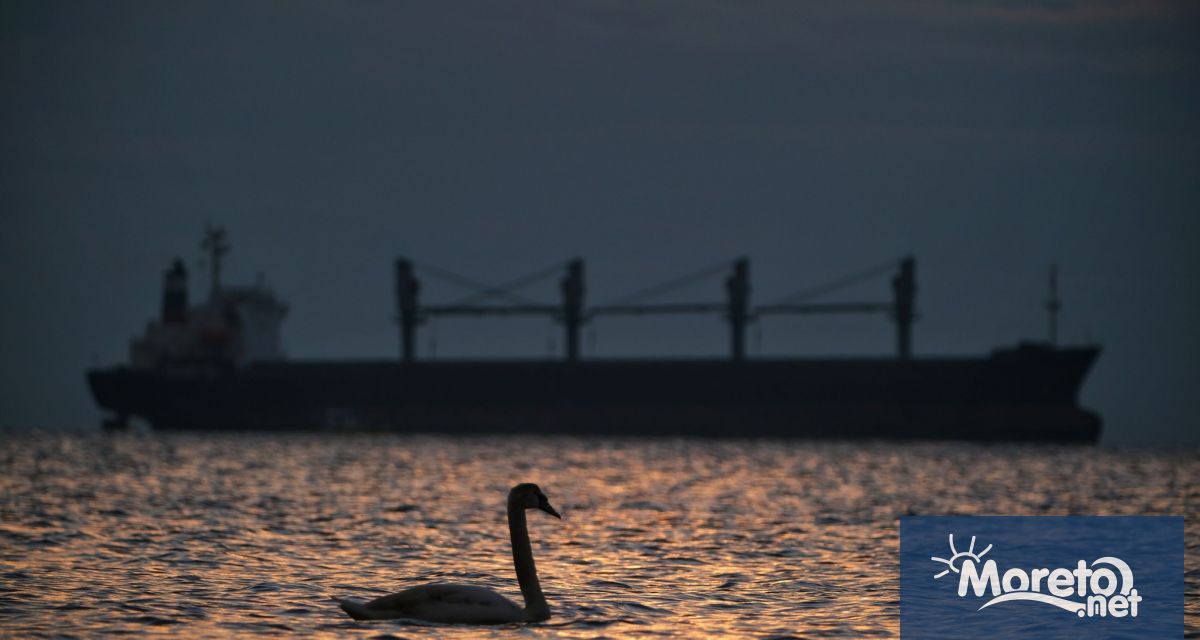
(535,602)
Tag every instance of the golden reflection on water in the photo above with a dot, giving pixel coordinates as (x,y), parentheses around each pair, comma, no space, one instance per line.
(215,536)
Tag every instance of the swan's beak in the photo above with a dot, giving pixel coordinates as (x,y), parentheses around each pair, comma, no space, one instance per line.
(545,506)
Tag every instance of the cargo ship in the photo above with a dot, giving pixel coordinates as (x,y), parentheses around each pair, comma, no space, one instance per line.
(219,365)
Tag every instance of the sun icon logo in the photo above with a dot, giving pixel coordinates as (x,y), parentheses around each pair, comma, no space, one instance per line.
(957,557)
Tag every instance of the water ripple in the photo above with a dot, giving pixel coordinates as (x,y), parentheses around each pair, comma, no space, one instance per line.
(237,535)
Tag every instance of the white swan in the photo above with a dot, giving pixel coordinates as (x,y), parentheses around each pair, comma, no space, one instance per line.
(460,603)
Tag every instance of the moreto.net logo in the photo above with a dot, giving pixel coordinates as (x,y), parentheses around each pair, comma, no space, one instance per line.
(1102,588)
(1035,577)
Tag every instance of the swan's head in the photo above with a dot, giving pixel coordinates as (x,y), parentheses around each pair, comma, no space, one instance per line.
(530,496)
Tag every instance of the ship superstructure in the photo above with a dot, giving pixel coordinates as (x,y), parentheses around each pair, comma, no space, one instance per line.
(234,326)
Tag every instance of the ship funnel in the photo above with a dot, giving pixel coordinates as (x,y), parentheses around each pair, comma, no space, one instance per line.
(175,294)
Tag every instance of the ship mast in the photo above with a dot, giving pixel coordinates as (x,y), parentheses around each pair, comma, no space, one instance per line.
(216,245)
(1053,304)
(407,289)
(904,290)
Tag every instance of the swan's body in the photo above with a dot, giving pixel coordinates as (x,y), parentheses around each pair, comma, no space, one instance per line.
(460,603)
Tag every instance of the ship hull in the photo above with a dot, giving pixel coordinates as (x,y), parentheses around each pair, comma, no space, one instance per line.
(1018,394)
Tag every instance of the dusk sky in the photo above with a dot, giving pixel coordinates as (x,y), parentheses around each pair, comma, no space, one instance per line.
(990,139)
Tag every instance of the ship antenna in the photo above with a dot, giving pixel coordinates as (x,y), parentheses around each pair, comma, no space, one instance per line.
(216,245)
(1053,304)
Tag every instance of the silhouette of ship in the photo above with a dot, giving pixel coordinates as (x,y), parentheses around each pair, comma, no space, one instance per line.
(219,365)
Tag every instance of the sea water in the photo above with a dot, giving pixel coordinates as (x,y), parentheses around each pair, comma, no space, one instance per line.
(237,535)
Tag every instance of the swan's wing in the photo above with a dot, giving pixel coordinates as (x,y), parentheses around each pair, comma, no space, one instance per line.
(440,603)
(460,595)
(356,609)
(402,600)
(395,605)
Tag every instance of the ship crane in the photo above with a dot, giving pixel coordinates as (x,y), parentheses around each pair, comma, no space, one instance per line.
(411,314)
(902,306)
(573,315)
